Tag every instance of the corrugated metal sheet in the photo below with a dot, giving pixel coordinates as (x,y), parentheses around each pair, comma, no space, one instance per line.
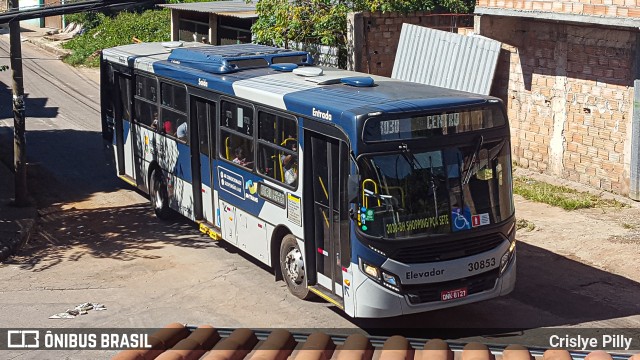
(445,59)
(228,8)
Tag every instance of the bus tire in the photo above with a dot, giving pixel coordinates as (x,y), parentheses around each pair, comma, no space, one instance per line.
(159,195)
(292,267)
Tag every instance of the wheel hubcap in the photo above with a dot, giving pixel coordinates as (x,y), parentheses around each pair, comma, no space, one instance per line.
(294,266)
(158,197)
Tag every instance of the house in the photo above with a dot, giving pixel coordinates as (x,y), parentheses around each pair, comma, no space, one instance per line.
(567,75)
(217,23)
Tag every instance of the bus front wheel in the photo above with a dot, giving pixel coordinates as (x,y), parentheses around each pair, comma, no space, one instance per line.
(159,196)
(292,267)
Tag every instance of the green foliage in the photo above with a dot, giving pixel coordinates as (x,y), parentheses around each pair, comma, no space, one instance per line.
(151,25)
(525,224)
(4,68)
(561,196)
(89,19)
(324,22)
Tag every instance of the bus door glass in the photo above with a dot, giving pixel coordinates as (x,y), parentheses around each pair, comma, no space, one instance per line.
(203,114)
(124,130)
(330,215)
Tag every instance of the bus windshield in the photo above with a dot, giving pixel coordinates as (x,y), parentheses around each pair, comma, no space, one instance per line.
(416,193)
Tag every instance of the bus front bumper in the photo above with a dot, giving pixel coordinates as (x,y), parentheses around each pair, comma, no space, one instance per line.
(375,301)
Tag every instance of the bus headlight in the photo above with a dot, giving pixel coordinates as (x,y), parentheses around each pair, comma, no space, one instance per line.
(380,276)
(390,279)
(371,270)
(505,260)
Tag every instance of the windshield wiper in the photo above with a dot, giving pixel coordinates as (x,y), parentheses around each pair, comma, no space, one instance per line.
(411,159)
(474,158)
(404,150)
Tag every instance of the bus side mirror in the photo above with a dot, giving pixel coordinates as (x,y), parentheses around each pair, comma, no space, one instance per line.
(353,183)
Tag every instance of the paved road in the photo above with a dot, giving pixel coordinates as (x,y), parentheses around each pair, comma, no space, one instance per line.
(98,242)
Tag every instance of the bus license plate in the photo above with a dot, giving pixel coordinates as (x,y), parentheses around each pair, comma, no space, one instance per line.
(453,294)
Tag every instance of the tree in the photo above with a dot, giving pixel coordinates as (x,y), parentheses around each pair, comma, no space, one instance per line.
(4,67)
(324,22)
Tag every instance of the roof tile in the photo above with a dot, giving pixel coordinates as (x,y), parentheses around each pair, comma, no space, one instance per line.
(205,342)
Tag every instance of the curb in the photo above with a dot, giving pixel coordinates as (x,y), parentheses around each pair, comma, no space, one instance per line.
(60,53)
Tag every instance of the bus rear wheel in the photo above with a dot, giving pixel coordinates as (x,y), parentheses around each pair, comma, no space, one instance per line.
(159,196)
(292,267)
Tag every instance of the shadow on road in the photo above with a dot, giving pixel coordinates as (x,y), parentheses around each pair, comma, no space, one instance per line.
(35,107)
(120,233)
(64,166)
(551,291)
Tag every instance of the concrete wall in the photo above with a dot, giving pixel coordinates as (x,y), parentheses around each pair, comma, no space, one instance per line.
(373,37)
(569,94)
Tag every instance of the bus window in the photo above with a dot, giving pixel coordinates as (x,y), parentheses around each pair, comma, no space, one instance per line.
(174,97)
(145,112)
(277,148)
(236,133)
(146,88)
(236,117)
(171,122)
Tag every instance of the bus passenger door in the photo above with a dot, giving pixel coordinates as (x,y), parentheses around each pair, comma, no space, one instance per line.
(124,131)
(203,117)
(330,214)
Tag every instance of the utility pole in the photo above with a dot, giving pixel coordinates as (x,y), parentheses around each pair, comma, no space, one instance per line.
(19,144)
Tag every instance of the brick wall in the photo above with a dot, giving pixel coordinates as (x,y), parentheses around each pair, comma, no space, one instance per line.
(620,8)
(569,93)
(378,36)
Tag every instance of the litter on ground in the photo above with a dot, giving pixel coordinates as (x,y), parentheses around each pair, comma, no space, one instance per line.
(81,309)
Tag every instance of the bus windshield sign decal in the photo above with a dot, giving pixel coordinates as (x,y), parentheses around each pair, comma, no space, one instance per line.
(272,195)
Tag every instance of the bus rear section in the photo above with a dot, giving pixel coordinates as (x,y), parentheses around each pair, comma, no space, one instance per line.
(434,223)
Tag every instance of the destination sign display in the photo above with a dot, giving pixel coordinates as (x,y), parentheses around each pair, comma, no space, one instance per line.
(428,125)
(272,195)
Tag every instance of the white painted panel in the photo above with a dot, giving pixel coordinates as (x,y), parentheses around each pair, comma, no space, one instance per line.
(228,215)
(207,203)
(128,154)
(252,235)
(216,209)
(324,281)
(181,196)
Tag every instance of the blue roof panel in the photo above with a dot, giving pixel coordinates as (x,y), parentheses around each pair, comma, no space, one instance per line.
(230,58)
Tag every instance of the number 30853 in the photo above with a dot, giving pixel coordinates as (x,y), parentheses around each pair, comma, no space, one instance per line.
(482,264)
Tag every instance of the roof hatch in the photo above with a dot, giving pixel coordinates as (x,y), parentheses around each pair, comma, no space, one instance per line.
(231,58)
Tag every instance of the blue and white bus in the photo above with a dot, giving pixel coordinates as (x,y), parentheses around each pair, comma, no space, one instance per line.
(383,197)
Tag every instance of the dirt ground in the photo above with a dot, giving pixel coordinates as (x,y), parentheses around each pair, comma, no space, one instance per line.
(607,238)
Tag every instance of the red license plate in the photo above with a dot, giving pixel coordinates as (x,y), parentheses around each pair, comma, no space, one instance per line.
(453,294)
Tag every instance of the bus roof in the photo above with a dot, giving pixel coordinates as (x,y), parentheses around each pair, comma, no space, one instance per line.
(323,97)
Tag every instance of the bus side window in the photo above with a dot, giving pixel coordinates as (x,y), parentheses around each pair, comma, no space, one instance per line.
(278,147)
(236,128)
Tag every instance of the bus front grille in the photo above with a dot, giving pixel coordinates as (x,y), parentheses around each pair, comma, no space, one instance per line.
(447,250)
(423,293)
